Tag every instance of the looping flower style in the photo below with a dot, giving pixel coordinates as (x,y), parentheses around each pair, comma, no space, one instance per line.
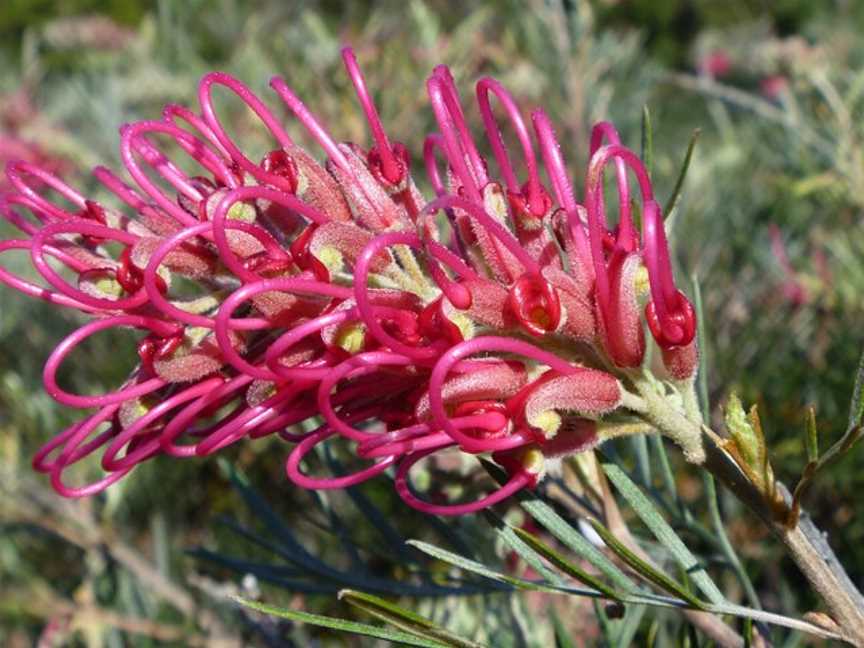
(497,318)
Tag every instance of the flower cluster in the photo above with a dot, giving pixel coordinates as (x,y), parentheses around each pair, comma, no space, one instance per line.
(500,317)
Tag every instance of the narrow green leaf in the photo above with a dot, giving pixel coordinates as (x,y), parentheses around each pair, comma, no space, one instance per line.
(404,619)
(342,625)
(568,567)
(856,407)
(643,461)
(661,529)
(679,183)
(656,442)
(647,139)
(561,529)
(475,567)
(646,598)
(353,597)
(562,637)
(811,436)
(511,538)
(648,571)
(723,540)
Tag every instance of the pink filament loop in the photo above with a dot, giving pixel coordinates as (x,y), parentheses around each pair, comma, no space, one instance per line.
(131,198)
(87,228)
(493,227)
(626,232)
(292,466)
(181,422)
(161,303)
(292,337)
(42,462)
(392,169)
(432,142)
(537,202)
(454,356)
(49,374)
(319,133)
(130,144)
(596,218)
(194,147)
(310,123)
(550,149)
(38,292)
(364,301)
(256,193)
(360,364)
(9,214)
(205,98)
(73,451)
(420,437)
(223,324)
(247,420)
(17,170)
(172,112)
(457,137)
(670,314)
(516,483)
(110,460)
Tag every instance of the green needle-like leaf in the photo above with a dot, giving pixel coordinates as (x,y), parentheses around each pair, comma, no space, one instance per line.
(811,436)
(647,139)
(561,529)
(404,619)
(513,539)
(649,572)
(475,567)
(652,518)
(568,567)
(343,625)
(679,183)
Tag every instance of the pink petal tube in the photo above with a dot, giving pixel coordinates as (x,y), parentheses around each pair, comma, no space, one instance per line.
(477,345)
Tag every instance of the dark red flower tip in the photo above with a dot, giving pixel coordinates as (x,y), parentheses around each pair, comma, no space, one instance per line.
(95,212)
(154,347)
(531,201)
(389,170)
(535,304)
(280,164)
(131,277)
(435,325)
(678,328)
(303,257)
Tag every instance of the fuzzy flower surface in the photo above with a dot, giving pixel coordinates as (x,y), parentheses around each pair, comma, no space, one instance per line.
(499,316)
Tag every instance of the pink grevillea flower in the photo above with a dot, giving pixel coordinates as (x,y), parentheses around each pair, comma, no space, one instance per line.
(497,317)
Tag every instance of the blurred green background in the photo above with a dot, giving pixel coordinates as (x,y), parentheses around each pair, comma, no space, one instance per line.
(776,89)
